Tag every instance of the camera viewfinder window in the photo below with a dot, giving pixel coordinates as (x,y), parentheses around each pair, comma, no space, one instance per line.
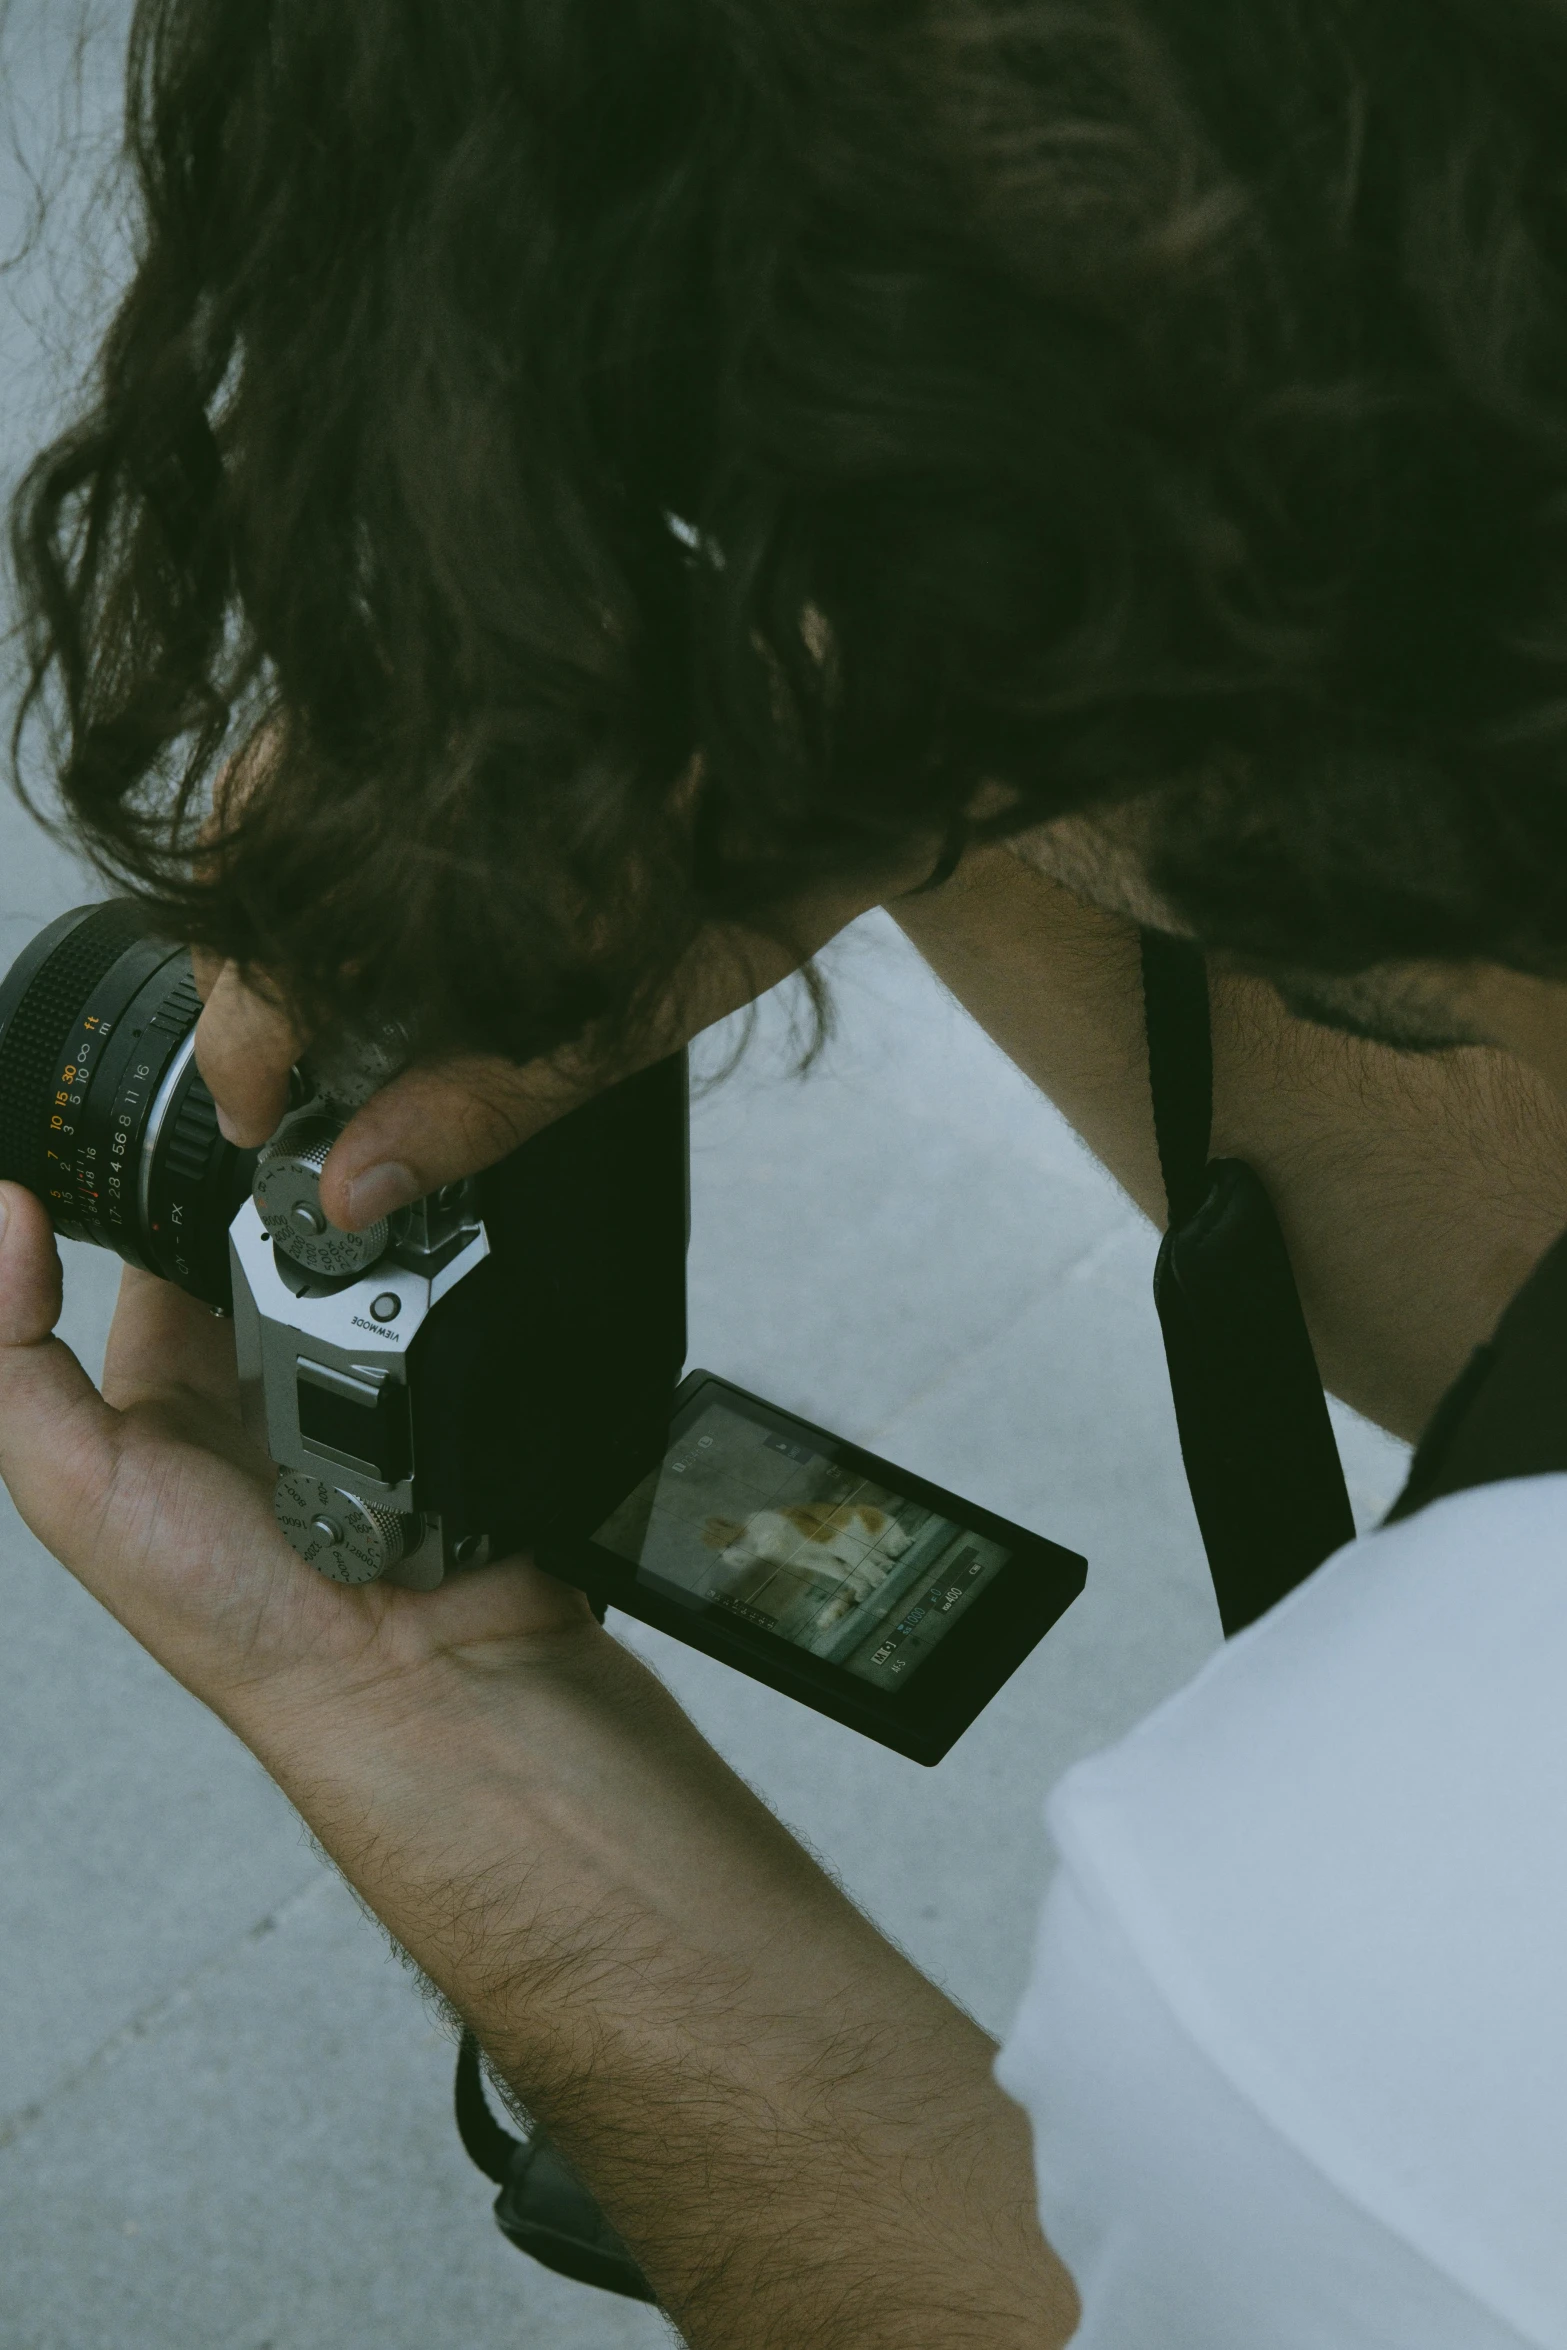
(744,1518)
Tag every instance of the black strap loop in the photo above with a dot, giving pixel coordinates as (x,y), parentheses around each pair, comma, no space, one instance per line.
(488,2147)
(542,2207)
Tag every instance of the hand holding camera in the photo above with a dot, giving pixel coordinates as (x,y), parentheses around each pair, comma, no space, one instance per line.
(494,1365)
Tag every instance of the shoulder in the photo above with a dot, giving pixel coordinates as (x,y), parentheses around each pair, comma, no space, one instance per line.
(1340,1856)
(1388,1675)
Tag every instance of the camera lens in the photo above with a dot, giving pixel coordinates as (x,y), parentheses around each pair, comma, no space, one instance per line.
(102,1112)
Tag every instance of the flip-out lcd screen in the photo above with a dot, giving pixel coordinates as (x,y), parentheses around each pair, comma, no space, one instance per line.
(748,1519)
(858,1588)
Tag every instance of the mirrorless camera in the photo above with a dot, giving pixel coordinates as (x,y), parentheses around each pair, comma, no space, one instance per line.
(431,1389)
(499,1366)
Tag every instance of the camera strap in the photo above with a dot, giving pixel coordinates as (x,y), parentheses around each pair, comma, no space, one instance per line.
(542,2207)
(1261,1461)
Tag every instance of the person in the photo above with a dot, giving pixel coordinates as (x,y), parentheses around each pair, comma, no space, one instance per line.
(649,485)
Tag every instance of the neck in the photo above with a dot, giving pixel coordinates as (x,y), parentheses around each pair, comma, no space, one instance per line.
(1526,1017)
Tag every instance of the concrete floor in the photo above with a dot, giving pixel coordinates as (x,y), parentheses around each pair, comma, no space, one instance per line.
(224,2113)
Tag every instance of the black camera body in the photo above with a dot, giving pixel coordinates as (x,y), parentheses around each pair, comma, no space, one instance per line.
(511,1353)
(548,1379)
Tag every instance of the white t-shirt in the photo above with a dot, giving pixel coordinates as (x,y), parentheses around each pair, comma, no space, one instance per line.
(1295,2046)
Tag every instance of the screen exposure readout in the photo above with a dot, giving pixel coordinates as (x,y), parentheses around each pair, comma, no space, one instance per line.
(743,1518)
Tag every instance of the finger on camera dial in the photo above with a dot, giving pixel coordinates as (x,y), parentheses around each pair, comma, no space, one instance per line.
(434,1125)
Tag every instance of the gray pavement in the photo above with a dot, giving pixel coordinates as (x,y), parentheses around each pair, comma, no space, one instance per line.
(224,2111)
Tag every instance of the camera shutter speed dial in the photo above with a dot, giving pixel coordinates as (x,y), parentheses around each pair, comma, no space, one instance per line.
(342,1537)
(287,1192)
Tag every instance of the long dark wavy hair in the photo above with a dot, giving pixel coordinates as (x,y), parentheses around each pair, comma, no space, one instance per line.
(648,456)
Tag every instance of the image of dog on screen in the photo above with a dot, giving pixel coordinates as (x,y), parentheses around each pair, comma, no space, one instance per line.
(777,1557)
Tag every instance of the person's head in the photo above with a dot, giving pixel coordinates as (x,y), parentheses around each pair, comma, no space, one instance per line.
(651,455)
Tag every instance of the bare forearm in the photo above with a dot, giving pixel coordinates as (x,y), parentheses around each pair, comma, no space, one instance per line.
(797,2133)
(1416,1194)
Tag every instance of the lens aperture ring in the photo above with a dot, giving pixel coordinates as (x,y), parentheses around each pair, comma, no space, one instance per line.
(108,1071)
(59,973)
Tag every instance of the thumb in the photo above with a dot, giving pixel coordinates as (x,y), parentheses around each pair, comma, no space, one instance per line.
(57,1435)
(437,1122)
